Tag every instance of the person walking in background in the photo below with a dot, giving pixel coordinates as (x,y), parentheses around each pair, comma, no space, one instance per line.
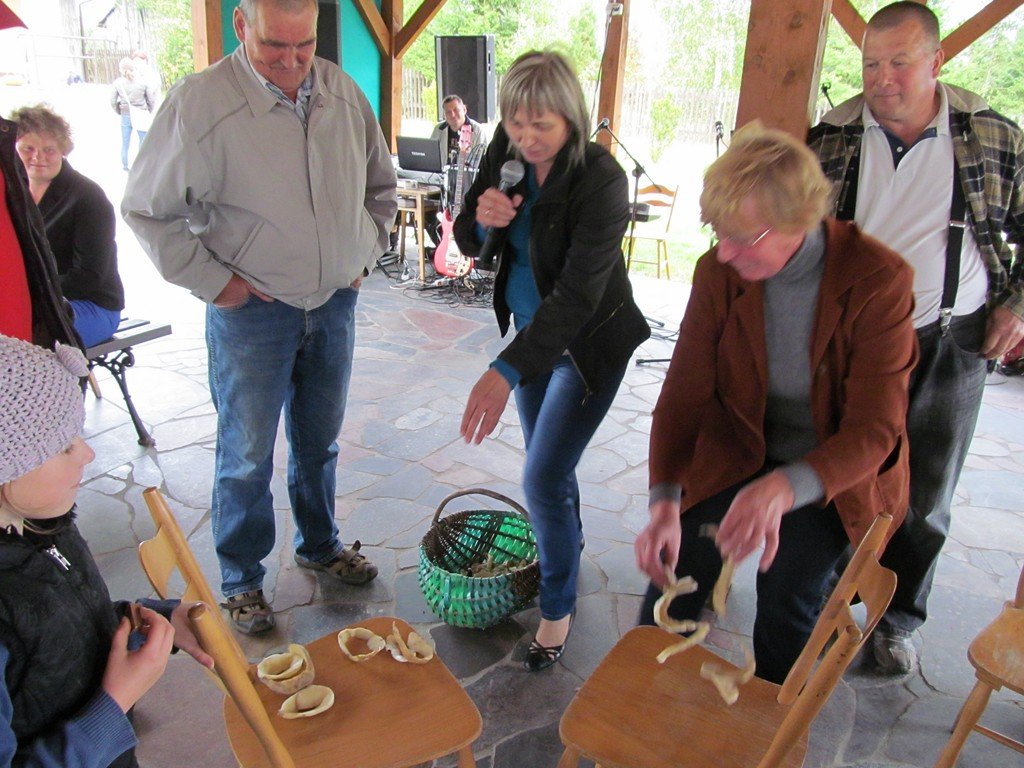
(562,279)
(79,220)
(133,99)
(147,73)
(266,188)
(938,176)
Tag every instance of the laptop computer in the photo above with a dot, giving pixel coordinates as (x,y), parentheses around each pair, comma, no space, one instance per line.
(416,154)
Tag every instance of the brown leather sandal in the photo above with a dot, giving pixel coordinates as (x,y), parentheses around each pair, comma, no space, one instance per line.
(348,566)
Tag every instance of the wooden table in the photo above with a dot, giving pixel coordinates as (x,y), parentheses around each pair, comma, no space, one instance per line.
(416,201)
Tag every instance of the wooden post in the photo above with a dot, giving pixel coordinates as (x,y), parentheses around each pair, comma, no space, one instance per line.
(207,39)
(782,64)
(391,74)
(613,64)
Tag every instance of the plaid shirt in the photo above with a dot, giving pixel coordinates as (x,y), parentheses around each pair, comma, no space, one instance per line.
(989,150)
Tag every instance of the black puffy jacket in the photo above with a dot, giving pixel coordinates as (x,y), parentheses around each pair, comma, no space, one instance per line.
(577,226)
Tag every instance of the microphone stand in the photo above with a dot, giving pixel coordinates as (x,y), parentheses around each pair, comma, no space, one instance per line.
(638,171)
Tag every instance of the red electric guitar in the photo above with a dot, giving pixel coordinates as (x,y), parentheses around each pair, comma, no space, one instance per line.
(448,260)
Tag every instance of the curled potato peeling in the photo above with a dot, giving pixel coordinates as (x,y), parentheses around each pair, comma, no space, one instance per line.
(728,681)
(287,672)
(673,589)
(701,631)
(308,702)
(374,642)
(721,590)
(415,649)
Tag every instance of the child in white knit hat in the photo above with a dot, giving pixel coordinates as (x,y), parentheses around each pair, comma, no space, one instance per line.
(67,674)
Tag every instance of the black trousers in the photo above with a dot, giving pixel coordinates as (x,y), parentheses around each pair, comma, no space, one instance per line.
(789,594)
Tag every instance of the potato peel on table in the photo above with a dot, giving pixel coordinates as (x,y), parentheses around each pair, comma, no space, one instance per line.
(415,649)
(374,642)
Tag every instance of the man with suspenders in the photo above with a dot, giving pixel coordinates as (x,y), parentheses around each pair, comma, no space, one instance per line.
(936,174)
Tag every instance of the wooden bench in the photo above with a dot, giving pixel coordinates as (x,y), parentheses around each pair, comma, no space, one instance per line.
(115,354)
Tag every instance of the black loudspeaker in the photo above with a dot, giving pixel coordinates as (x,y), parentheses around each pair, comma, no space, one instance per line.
(465,67)
(328,37)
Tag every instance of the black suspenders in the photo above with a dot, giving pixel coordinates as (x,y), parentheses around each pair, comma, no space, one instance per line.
(954,240)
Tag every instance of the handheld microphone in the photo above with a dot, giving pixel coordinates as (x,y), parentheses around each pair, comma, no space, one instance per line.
(719,129)
(605,122)
(512,173)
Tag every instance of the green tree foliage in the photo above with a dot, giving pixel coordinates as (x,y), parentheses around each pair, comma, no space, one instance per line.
(665,115)
(517,26)
(170,23)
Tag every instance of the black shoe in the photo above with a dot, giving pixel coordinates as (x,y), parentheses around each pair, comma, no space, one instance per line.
(540,657)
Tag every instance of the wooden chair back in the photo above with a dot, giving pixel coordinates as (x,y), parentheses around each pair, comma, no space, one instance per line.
(997,655)
(236,677)
(167,552)
(658,196)
(363,729)
(806,688)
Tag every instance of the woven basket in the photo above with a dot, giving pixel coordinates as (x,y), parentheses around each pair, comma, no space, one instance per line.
(468,537)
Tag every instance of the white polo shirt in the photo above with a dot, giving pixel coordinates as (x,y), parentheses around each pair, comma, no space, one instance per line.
(906,206)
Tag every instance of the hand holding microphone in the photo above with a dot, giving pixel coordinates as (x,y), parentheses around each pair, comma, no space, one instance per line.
(494,208)
(495,211)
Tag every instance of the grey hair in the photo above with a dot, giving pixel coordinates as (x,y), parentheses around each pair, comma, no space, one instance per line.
(248,7)
(545,81)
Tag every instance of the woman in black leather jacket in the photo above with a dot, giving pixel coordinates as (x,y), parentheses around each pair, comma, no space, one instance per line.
(561,279)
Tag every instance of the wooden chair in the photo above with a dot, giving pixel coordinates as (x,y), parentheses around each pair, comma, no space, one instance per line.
(658,197)
(997,655)
(635,712)
(386,714)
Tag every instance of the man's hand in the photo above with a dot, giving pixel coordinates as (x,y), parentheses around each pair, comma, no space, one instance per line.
(129,674)
(236,293)
(1003,332)
(185,638)
(657,546)
(754,517)
(486,403)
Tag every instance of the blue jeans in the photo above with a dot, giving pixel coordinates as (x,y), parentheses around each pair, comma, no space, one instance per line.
(94,323)
(126,138)
(558,421)
(789,593)
(946,388)
(265,356)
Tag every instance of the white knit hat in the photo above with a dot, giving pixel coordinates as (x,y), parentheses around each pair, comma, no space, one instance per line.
(41,408)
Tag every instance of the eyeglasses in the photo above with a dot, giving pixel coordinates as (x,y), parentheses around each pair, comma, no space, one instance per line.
(743,242)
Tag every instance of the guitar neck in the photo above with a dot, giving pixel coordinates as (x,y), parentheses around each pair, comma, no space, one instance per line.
(457,202)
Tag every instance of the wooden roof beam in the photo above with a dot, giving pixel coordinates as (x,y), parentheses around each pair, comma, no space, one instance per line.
(417,23)
(978,25)
(850,20)
(374,20)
